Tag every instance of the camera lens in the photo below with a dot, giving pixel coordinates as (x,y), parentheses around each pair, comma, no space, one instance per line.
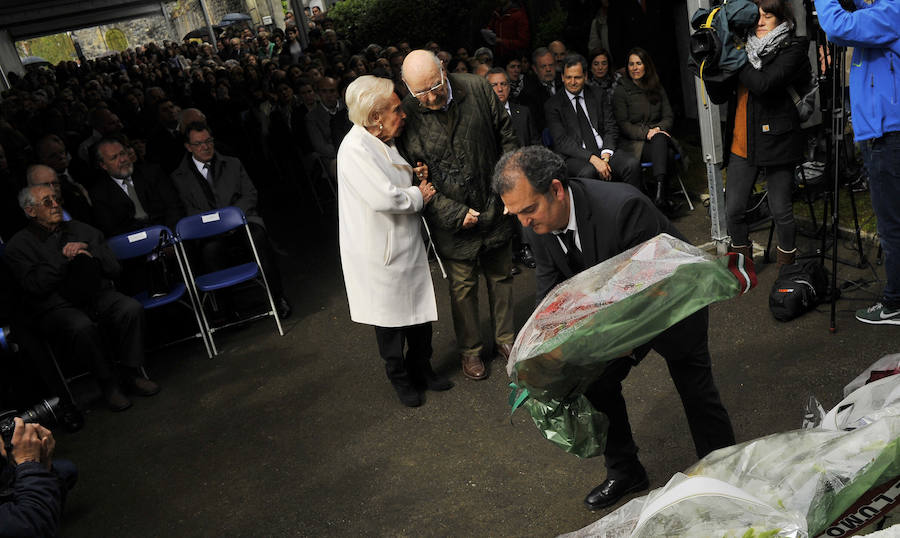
(44,412)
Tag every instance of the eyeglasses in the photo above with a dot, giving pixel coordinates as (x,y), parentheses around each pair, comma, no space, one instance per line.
(48,201)
(207,142)
(434,88)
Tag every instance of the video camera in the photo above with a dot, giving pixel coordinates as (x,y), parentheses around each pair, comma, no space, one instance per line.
(44,412)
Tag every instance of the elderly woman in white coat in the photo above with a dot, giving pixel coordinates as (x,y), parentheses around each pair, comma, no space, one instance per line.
(386,271)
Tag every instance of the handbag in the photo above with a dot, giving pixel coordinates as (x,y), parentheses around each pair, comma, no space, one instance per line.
(159,275)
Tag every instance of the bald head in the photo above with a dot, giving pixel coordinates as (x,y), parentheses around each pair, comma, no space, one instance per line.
(424,77)
(40,175)
(189,116)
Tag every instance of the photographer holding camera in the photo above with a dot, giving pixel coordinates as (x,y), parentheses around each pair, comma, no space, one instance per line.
(32,487)
(872,28)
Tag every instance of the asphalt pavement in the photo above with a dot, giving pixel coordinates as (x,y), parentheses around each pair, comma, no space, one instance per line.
(302,435)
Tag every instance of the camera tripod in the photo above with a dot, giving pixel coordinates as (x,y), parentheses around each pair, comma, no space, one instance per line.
(832,95)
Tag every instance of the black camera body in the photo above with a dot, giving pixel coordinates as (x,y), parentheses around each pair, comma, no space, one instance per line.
(44,412)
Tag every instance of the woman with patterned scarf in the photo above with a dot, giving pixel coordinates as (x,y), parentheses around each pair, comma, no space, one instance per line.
(766,126)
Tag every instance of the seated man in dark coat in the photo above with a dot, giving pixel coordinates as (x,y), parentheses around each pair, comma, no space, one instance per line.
(574,224)
(65,271)
(584,130)
(128,197)
(207,180)
(51,151)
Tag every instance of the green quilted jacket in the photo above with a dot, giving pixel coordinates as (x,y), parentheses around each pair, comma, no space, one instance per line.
(461,146)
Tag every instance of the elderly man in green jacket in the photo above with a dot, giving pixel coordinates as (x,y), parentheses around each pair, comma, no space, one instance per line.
(456,126)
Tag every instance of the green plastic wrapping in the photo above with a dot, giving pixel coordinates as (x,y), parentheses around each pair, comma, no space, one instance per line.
(612,308)
(574,426)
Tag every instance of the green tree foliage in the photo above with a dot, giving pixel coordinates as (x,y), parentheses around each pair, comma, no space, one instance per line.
(54,48)
(389,21)
(549,27)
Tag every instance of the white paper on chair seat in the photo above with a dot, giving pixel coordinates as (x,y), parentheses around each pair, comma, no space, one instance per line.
(212,217)
(137,237)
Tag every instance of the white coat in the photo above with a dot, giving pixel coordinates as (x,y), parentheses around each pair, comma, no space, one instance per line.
(386,270)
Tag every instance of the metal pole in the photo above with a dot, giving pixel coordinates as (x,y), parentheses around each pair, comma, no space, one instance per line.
(711,137)
(212,33)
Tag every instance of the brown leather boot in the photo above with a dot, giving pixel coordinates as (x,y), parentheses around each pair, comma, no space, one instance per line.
(784,258)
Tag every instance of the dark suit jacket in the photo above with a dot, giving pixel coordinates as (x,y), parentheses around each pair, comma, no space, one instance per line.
(231,186)
(535,95)
(523,125)
(165,148)
(563,123)
(114,210)
(611,218)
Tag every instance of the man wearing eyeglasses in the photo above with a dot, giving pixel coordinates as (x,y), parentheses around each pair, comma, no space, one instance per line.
(457,126)
(65,271)
(207,180)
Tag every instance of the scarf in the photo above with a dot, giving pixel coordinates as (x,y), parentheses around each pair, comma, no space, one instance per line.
(757,47)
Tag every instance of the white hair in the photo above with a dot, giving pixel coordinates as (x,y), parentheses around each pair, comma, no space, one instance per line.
(365,96)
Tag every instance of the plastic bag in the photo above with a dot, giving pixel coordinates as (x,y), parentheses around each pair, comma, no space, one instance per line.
(610,309)
(574,426)
(811,482)
(885,366)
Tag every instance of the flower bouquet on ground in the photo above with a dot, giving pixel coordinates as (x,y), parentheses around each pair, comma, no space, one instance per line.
(839,478)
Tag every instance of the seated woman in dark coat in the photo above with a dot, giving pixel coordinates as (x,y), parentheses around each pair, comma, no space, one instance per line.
(645,119)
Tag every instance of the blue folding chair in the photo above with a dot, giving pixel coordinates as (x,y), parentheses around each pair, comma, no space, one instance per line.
(209,224)
(141,243)
(648,165)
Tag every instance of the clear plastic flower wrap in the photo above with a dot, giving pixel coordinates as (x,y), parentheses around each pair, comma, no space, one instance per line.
(803,483)
(610,309)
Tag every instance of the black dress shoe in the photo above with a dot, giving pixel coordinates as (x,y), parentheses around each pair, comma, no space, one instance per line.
(527,257)
(613,489)
(408,394)
(514,270)
(283,307)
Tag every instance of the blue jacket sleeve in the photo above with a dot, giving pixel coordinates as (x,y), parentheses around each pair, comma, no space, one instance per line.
(35,506)
(875,26)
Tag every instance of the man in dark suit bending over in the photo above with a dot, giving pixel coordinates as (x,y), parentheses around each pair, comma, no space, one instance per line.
(575,224)
(584,129)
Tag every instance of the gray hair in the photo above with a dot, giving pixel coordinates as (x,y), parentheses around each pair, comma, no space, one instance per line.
(538,52)
(538,164)
(365,96)
(103,142)
(26,198)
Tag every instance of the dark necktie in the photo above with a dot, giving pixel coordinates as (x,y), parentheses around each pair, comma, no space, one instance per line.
(207,171)
(576,260)
(587,134)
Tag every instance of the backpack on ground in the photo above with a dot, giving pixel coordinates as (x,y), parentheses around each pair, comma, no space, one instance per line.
(798,289)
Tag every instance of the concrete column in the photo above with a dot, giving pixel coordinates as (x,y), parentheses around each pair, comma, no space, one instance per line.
(9,58)
(277,13)
(212,33)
